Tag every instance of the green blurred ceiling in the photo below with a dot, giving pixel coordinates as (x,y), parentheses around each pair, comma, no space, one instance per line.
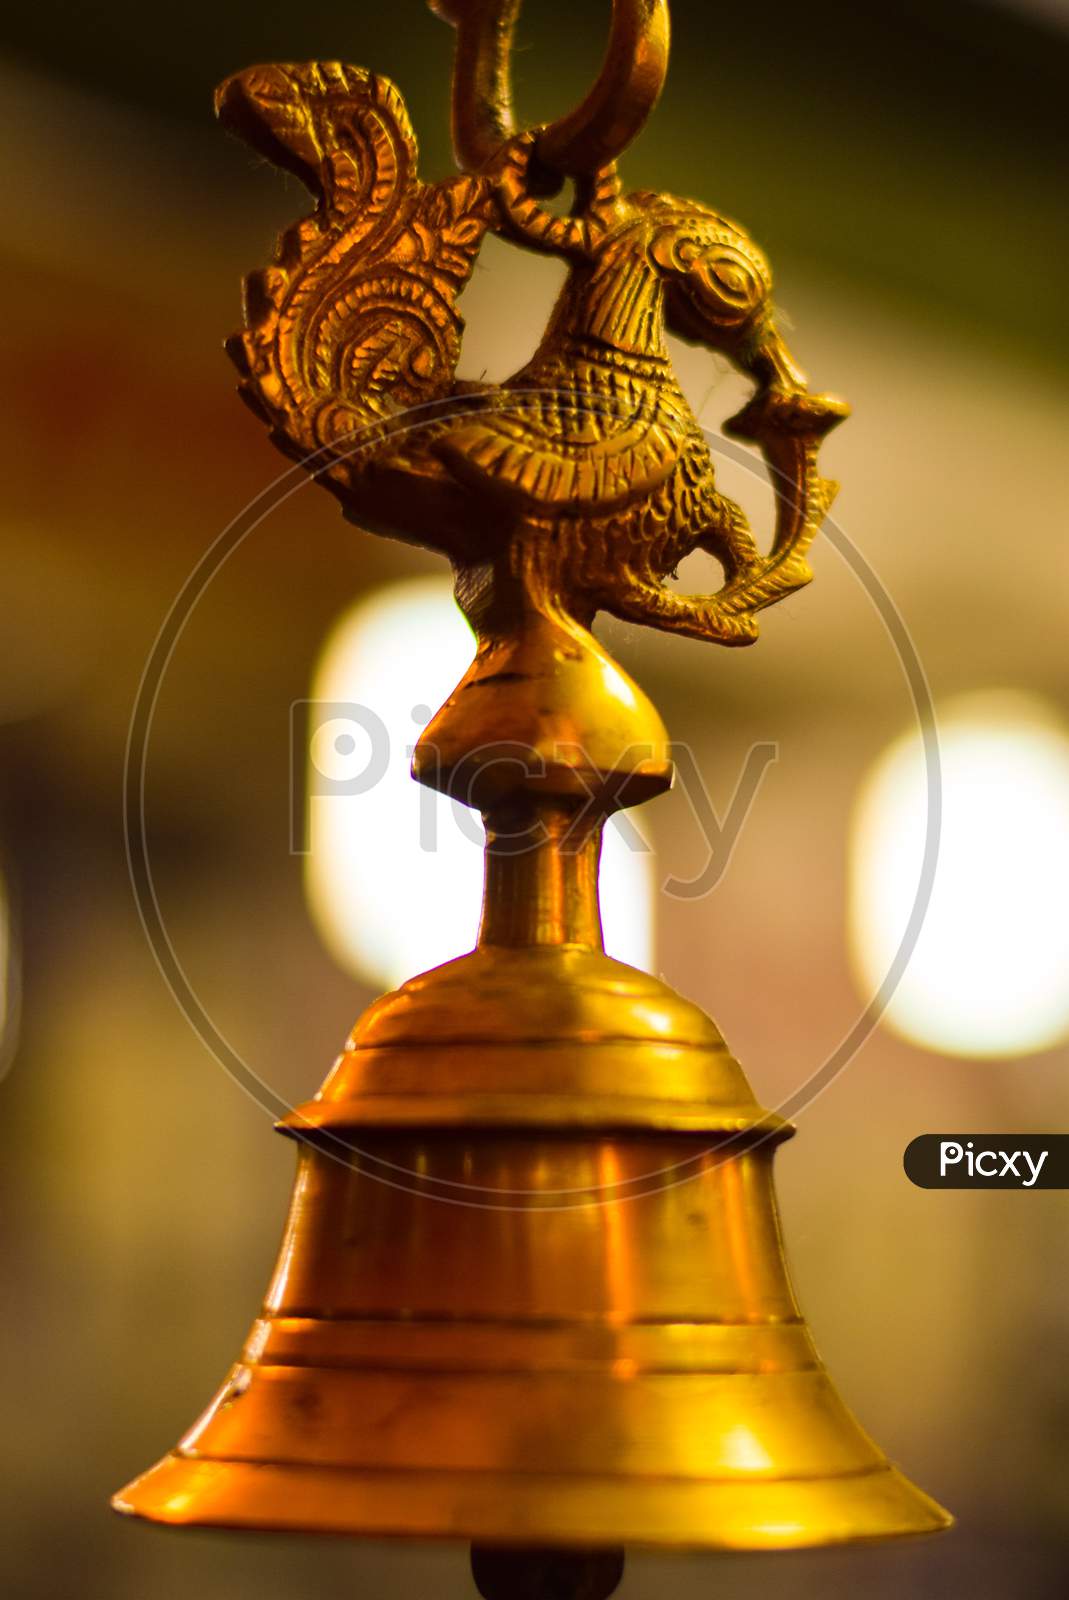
(918,146)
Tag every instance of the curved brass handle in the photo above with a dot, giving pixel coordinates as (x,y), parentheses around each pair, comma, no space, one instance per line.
(586,139)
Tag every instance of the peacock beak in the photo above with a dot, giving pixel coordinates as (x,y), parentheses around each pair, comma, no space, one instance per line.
(772,364)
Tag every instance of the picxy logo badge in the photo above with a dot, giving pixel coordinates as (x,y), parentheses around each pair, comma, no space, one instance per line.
(988,1161)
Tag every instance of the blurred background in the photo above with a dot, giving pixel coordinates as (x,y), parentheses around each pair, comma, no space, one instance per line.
(904,166)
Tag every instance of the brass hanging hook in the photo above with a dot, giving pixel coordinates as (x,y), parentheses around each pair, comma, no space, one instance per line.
(588,138)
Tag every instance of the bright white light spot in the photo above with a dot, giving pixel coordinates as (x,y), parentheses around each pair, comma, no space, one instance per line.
(394,870)
(990,972)
(741,1448)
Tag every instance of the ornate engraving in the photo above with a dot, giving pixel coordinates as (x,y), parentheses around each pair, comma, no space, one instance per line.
(587,469)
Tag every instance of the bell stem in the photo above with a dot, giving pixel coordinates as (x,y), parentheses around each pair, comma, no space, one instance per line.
(541,883)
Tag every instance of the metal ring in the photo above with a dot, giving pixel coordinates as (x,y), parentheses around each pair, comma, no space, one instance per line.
(586,139)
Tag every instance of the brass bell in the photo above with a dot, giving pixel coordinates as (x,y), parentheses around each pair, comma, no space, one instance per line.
(532,1288)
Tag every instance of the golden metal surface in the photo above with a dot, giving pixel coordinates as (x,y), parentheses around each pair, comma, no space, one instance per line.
(583,481)
(532,1289)
(619,1357)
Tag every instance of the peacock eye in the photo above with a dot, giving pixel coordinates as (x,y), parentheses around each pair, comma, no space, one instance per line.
(730,275)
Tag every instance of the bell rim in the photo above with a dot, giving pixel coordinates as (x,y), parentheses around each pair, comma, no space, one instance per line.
(877,1505)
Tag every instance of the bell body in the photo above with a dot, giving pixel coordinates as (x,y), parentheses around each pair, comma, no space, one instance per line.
(532,1290)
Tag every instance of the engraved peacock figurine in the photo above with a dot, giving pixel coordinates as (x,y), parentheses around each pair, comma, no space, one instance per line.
(588,466)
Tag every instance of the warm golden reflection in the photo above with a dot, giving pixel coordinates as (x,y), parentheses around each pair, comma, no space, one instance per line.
(617,1240)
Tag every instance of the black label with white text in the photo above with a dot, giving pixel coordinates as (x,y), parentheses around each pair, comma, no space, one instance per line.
(988,1161)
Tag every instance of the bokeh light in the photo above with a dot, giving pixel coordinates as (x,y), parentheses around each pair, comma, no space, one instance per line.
(989,975)
(394,870)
